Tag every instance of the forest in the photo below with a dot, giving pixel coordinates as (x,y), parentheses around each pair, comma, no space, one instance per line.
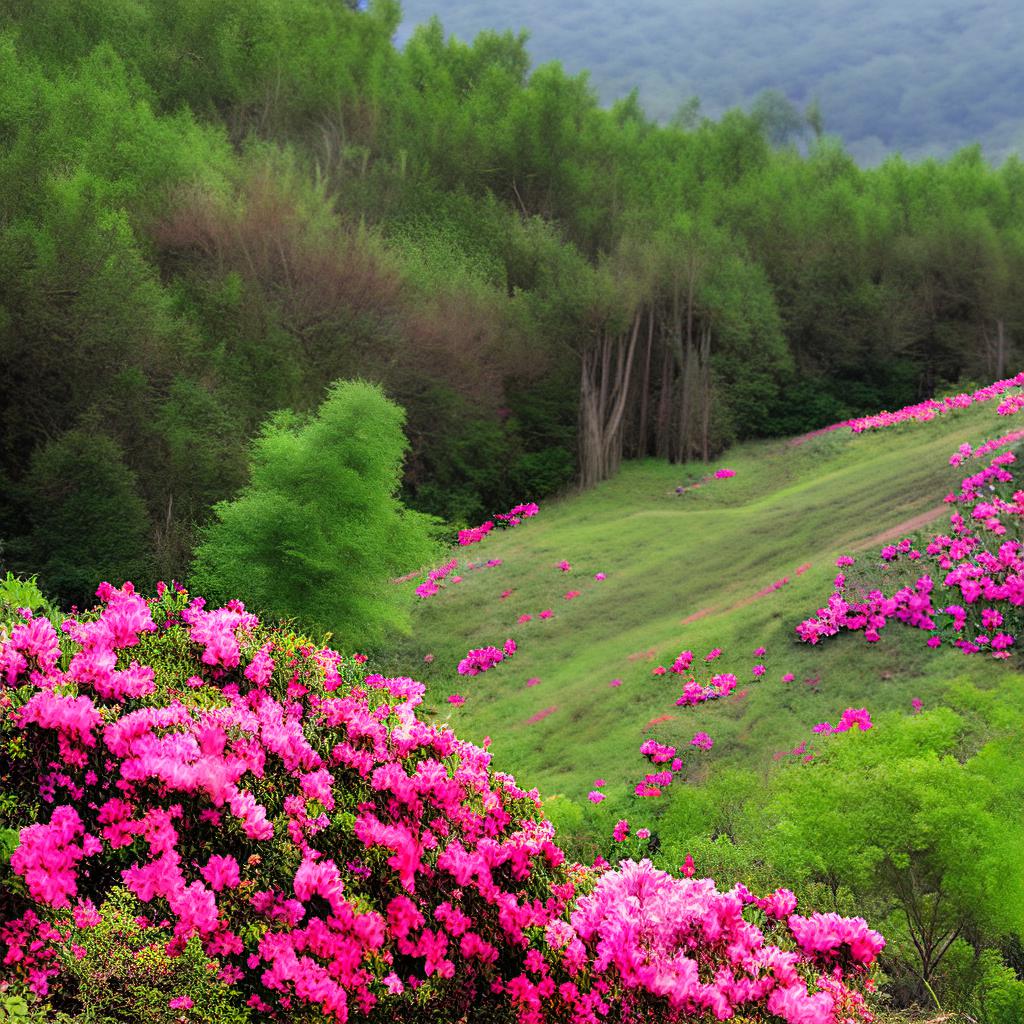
(210,211)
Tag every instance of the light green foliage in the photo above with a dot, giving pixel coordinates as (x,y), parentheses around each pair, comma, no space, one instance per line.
(318,533)
(17,593)
(124,973)
(913,831)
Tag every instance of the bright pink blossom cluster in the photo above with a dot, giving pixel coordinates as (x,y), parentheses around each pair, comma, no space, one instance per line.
(965,451)
(435,577)
(513,517)
(484,658)
(851,717)
(921,412)
(475,534)
(654,783)
(657,933)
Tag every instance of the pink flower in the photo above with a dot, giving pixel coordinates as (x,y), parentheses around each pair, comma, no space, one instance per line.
(595,797)
(598,783)
(571,594)
(533,681)
(621,830)
(715,652)
(758,670)
(456,699)
(564,566)
(916,703)
(525,617)
(724,474)
(659,671)
(643,833)
(546,614)
(428,658)
(759,652)
(599,576)
(702,741)
(181,1003)
(615,682)
(788,677)
(221,872)
(688,867)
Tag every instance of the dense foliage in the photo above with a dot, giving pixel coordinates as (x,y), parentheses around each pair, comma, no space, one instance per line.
(211,211)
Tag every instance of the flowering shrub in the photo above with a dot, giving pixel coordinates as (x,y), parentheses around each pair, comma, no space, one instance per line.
(850,717)
(431,584)
(973,591)
(256,803)
(513,517)
(921,412)
(483,658)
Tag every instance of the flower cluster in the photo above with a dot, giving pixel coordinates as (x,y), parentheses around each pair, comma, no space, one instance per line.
(654,783)
(851,717)
(435,577)
(719,474)
(513,517)
(654,932)
(922,412)
(483,658)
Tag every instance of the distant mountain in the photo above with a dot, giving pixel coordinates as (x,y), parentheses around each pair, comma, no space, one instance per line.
(924,77)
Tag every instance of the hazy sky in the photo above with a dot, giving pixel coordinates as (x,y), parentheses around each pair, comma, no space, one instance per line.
(910,75)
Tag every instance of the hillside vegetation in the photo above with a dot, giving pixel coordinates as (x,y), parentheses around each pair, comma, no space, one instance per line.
(210,212)
(684,571)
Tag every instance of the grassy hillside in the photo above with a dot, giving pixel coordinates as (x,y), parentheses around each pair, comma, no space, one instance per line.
(683,572)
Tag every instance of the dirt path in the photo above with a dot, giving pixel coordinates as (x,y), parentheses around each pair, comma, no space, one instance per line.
(900,530)
(910,526)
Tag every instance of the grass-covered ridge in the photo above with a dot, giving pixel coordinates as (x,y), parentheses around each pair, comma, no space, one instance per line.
(669,558)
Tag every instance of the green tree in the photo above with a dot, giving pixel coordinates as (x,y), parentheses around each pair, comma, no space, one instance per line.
(919,834)
(318,533)
(88,522)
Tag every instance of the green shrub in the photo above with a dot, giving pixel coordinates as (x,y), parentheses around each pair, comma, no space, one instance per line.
(318,533)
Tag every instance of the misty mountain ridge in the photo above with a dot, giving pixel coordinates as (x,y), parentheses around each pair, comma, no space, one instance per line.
(923,79)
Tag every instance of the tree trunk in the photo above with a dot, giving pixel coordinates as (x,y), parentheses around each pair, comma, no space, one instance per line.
(662,447)
(645,387)
(603,394)
(705,361)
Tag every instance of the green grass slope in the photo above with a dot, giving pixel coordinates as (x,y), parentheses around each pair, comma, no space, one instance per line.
(683,572)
